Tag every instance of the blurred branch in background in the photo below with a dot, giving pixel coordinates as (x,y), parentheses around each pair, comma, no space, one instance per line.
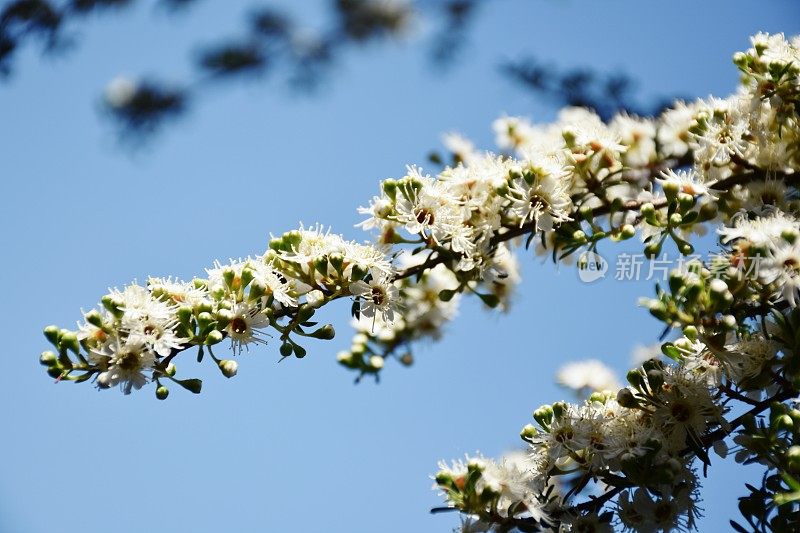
(273,41)
(606,94)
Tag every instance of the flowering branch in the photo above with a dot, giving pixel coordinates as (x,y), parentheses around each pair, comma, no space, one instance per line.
(568,188)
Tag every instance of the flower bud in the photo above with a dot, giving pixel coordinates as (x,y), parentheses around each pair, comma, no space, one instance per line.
(627,231)
(675,219)
(653,249)
(228,367)
(528,432)
(690,332)
(543,415)
(626,398)
(52,334)
(69,341)
(94,318)
(305,312)
(376,362)
(671,189)
(54,371)
(48,359)
(559,408)
(171,369)
(204,320)
(648,210)
(214,336)
(326,332)
(162,392)
(407,359)
(635,378)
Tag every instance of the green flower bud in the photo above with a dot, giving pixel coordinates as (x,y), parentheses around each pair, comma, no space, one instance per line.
(690,332)
(337,260)
(321,265)
(627,231)
(162,392)
(192,385)
(228,367)
(52,333)
(685,201)
(444,479)
(635,378)
(648,210)
(543,415)
(185,314)
(94,318)
(579,236)
(171,369)
(326,332)
(655,378)
(389,187)
(626,398)
(214,337)
(676,280)
(528,432)
(48,359)
(55,372)
(69,341)
(653,249)
(205,320)
(671,189)
(675,219)
(559,408)
(305,312)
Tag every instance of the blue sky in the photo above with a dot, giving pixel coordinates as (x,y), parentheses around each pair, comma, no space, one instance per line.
(296,446)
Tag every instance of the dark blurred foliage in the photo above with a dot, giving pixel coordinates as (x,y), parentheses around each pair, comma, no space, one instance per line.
(271,40)
(606,94)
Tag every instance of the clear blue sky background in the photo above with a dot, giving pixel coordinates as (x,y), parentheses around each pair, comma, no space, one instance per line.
(297,447)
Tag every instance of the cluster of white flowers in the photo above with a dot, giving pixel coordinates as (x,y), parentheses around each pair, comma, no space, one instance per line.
(732,162)
(645,428)
(134,336)
(561,187)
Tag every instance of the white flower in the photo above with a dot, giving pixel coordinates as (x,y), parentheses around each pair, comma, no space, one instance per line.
(461,147)
(590,375)
(379,297)
(125,362)
(426,207)
(673,129)
(638,134)
(687,182)
(246,323)
(541,195)
(512,132)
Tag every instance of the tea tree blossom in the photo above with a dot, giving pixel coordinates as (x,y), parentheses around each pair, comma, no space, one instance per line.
(624,458)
